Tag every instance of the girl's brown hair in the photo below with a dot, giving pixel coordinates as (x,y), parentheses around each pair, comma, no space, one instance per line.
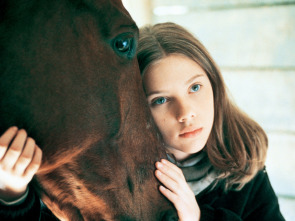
(237,145)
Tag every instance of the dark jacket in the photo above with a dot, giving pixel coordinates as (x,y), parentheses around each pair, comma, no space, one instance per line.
(255,201)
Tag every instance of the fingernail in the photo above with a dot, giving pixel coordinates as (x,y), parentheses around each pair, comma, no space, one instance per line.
(13,128)
(164,161)
(159,165)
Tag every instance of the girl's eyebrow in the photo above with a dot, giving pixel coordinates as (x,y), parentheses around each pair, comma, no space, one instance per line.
(187,82)
(154,92)
(194,78)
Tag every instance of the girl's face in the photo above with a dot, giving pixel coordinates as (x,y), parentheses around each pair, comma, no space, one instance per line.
(180,97)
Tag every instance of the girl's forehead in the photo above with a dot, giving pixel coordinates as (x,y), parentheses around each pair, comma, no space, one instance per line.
(172,70)
(175,64)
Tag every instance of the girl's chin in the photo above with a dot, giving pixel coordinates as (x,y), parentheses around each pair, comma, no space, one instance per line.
(184,151)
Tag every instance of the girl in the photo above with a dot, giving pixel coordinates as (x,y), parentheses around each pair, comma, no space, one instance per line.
(220,151)
(216,153)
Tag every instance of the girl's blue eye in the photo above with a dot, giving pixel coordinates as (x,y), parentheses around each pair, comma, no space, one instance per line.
(195,88)
(160,100)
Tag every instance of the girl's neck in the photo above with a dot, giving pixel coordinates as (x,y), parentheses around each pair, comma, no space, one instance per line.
(180,156)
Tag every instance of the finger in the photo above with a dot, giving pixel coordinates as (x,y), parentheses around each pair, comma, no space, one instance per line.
(168,182)
(172,172)
(25,157)
(173,166)
(35,163)
(6,139)
(177,200)
(172,197)
(14,150)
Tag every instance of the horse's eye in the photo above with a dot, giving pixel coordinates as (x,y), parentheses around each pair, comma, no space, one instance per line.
(125,45)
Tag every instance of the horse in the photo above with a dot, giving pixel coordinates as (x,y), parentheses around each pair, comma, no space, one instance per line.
(70,77)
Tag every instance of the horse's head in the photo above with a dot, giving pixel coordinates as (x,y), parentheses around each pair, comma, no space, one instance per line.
(69,76)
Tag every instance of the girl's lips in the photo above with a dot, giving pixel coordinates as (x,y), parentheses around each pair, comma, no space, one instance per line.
(191,134)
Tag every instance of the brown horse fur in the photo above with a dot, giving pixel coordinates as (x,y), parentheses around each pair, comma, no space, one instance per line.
(82,101)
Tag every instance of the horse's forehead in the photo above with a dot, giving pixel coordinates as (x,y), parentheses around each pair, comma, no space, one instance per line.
(112,16)
(99,4)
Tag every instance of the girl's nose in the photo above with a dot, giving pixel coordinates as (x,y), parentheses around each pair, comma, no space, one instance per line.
(185,112)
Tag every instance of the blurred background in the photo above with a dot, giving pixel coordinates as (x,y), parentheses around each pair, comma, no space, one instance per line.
(253,42)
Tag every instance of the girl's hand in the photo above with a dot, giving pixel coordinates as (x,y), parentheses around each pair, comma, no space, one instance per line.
(177,191)
(20,158)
